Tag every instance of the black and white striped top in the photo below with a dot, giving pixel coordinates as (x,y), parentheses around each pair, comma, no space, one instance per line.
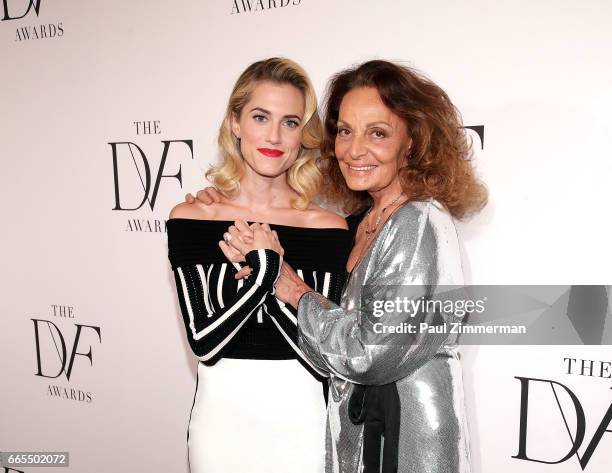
(225,317)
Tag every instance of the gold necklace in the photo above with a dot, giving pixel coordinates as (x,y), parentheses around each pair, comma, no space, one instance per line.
(370,231)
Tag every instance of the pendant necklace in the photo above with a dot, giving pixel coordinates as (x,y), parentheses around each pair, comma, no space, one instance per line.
(370,231)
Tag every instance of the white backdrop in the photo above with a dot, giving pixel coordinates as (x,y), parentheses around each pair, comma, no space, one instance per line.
(535,74)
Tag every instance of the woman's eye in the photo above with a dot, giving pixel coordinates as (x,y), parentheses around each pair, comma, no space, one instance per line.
(379,133)
(343,132)
(292,123)
(259,118)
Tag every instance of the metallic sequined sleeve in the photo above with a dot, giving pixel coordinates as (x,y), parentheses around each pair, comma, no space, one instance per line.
(416,251)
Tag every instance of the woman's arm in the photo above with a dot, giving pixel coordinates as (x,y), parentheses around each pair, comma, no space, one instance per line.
(416,254)
(209,326)
(208,330)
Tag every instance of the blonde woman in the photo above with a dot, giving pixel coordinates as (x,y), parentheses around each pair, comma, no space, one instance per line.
(259,404)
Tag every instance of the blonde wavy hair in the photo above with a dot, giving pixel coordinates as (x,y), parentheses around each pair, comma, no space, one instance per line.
(304,176)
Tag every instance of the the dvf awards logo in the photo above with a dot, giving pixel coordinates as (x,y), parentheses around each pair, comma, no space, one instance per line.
(18,9)
(65,349)
(575,415)
(141,170)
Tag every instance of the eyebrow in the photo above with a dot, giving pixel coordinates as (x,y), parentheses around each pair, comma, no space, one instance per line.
(368,125)
(270,113)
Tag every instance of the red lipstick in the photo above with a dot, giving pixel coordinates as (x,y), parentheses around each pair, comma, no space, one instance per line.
(271,153)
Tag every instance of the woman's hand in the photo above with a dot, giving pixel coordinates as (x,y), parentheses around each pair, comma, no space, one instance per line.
(289,287)
(207,196)
(242,232)
(234,255)
(242,238)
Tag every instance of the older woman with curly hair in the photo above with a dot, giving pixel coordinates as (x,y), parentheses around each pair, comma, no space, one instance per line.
(394,152)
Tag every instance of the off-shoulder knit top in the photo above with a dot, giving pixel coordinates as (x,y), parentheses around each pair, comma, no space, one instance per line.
(228,318)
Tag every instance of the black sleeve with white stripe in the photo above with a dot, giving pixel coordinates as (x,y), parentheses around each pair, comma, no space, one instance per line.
(209,331)
(327,283)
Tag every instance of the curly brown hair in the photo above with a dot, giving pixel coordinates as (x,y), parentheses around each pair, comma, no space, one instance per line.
(439,163)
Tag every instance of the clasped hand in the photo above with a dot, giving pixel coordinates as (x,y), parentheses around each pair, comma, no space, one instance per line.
(241,238)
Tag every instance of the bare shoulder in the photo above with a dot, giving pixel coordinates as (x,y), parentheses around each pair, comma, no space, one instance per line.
(321,218)
(196,211)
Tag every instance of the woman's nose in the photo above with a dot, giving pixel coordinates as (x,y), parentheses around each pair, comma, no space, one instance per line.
(357,148)
(273,134)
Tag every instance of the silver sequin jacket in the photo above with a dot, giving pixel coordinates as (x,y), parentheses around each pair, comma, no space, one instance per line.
(418,245)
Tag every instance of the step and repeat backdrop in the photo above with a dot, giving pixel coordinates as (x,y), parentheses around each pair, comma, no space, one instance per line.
(109,114)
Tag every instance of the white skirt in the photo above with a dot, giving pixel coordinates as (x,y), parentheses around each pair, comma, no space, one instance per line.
(257,416)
